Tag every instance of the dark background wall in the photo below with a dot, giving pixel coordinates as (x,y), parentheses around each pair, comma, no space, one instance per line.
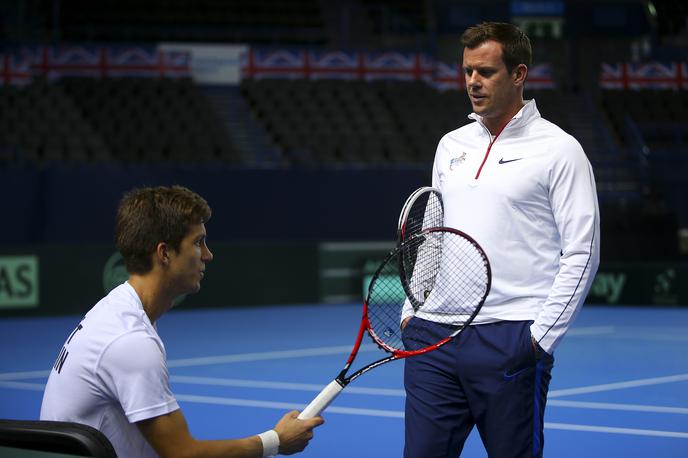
(65,204)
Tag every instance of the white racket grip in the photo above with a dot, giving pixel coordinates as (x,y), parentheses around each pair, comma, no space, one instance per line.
(321,401)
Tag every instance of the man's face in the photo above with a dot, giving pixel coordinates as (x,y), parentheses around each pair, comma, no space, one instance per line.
(187,265)
(490,86)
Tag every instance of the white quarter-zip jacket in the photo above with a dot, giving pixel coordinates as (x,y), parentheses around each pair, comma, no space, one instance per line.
(528,197)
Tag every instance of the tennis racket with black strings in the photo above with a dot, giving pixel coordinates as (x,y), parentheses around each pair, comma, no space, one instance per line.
(423,209)
(448,277)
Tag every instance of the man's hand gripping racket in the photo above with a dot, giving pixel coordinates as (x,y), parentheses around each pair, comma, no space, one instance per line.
(440,273)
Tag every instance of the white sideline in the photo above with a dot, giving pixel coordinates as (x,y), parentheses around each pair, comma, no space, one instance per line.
(399,414)
(618,385)
(265,356)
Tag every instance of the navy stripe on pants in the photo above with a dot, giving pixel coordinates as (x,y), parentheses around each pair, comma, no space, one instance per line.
(489,377)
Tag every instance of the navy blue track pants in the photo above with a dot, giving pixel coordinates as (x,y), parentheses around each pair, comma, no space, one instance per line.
(488,376)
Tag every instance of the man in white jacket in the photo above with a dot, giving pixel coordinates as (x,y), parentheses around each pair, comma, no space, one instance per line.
(112,371)
(525,191)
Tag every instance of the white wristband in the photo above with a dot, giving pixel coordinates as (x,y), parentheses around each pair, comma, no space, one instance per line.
(271,443)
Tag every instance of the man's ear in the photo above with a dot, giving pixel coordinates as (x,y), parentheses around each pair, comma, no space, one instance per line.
(162,253)
(520,74)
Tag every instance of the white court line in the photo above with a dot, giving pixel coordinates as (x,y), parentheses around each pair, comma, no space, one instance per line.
(399,414)
(225,359)
(321,351)
(671,334)
(661,333)
(618,385)
(610,406)
(216,400)
(611,430)
(280,385)
(265,356)
(276,355)
(357,390)
(262,384)
(286,406)
(318,351)
(24,375)
(23,385)
(591,330)
(667,333)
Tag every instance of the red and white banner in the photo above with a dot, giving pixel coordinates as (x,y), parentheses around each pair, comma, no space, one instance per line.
(648,75)
(293,63)
(20,66)
(15,70)
(54,62)
(398,66)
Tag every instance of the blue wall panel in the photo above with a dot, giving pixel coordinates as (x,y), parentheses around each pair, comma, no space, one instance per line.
(65,204)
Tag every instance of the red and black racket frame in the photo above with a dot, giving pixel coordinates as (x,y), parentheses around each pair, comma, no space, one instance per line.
(396,353)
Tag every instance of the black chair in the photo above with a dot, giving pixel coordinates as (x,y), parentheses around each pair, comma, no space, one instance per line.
(55,436)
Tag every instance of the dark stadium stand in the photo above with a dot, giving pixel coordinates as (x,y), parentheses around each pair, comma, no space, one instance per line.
(661,116)
(111,120)
(399,121)
(40,123)
(637,140)
(331,122)
(653,125)
(340,122)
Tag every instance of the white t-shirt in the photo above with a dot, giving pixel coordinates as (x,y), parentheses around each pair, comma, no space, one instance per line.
(111,373)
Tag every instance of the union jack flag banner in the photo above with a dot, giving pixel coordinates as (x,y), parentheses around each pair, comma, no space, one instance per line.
(290,63)
(449,76)
(647,75)
(57,61)
(15,70)
(281,63)
(540,77)
(398,66)
(148,62)
(334,64)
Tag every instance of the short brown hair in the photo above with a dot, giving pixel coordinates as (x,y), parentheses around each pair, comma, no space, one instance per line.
(148,216)
(516,47)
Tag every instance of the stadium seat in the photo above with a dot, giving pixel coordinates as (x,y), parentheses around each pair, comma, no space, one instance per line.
(658,115)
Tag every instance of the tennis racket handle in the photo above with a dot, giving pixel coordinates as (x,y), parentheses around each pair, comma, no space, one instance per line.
(321,401)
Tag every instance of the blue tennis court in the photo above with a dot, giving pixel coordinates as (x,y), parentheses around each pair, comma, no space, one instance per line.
(619,388)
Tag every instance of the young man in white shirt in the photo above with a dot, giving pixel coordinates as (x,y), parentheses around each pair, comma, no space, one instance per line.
(524,190)
(111,372)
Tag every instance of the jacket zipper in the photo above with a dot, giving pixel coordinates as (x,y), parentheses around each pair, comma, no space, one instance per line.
(487,153)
